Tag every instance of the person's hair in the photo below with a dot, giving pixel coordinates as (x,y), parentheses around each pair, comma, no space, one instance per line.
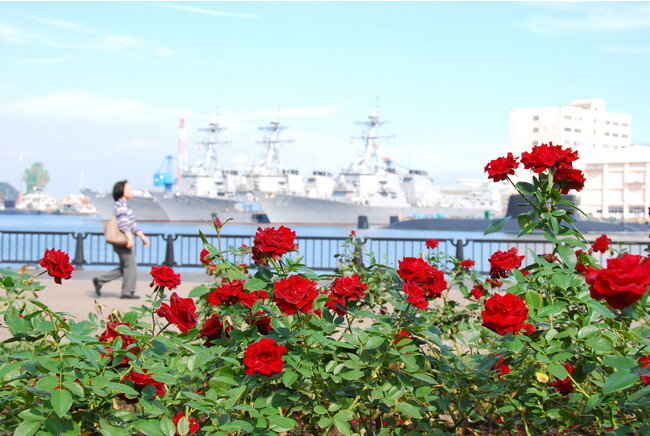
(118,189)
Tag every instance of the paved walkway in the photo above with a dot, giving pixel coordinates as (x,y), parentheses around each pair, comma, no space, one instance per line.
(76,296)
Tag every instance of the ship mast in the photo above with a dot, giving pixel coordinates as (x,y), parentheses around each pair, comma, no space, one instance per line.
(369,160)
(209,163)
(273,142)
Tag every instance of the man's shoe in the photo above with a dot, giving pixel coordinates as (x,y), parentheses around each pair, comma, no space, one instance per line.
(98,287)
(130,297)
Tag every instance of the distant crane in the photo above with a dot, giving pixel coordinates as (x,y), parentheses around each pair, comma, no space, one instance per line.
(165,178)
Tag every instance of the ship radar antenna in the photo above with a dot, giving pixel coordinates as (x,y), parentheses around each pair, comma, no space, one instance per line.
(370,160)
(273,143)
(209,163)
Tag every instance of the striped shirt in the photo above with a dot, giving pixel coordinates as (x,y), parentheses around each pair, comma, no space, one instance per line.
(125,217)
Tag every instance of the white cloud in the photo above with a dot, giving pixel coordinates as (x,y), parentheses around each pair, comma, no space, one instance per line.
(627,50)
(589,17)
(43,61)
(162,51)
(125,40)
(84,106)
(209,11)
(63,24)
(13,34)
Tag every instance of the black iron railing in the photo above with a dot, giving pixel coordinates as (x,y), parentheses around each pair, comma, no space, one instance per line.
(183,250)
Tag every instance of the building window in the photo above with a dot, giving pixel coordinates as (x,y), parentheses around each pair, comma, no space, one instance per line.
(615,209)
(535,142)
(615,123)
(607,122)
(636,209)
(623,136)
(624,124)
(567,129)
(606,133)
(535,130)
(578,130)
(577,143)
(536,118)
(615,134)
(567,117)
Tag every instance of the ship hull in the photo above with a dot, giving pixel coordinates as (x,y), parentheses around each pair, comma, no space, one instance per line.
(184,207)
(144,208)
(282,208)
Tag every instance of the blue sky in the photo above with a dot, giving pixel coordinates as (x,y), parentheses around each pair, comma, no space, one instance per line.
(94,90)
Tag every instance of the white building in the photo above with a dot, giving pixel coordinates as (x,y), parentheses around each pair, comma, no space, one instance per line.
(618,174)
(618,184)
(583,125)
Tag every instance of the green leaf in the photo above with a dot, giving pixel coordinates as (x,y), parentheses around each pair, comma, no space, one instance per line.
(355,374)
(150,427)
(533,299)
(550,310)
(167,426)
(620,362)
(561,280)
(587,331)
(74,388)
(558,370)
(496,225)
(289,377)
(601,309)
(255,284)
(592,402)
(600,344)
(199,291)
(282,423)
(238,425)
(525,188)
(409,410)
(122,388)
(568,255)
(374,342)
(61,400)
(27,428)
(620,380)
(183,426)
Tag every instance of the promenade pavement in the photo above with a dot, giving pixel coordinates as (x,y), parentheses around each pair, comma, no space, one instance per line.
(76,296)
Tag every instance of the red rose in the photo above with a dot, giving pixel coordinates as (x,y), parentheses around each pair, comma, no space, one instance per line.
(568,179)
(264,357)
(501,368)
(581,263)
(545,156)
(418,270)
(432,243)
(349,287)
(165,277)
(601,244)
(194,426)
(295,294)
(140,381)
(57,264)
(622,283)
(416,295)
(467,264)
(273,243)
(505,313)
(182,312)
(403,335)
(565,386)
(499,168)
(248,299)
(262,322)
(494,283)
(478,291)
(644,362)
(413,269)
(502,261)
(226,294)
(110,334)
(212,329)
(203,254)
(337,304)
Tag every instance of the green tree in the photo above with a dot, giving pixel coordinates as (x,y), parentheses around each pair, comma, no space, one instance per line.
(36,176)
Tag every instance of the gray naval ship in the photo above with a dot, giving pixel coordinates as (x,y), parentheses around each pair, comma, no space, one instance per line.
(372,188)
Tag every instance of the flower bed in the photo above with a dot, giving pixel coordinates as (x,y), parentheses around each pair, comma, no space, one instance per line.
(559,346)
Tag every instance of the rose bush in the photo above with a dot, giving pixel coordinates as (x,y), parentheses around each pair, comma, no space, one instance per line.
(540,346)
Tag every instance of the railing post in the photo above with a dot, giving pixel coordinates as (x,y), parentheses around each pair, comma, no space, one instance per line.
(79,251)
(460,255)
(169,251)
(358,252)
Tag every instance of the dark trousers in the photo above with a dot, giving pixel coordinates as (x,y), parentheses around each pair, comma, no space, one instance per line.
(128,270)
